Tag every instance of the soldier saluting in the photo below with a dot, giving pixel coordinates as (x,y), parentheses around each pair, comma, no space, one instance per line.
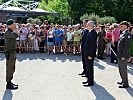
(10,52)
(123,53)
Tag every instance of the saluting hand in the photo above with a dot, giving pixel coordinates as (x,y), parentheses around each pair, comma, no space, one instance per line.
(122,58)
(89,57)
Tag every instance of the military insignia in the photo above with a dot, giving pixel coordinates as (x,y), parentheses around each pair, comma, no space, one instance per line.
(129,36)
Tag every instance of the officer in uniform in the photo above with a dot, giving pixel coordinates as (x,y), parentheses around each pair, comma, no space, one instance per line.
(10,52)
(123,53)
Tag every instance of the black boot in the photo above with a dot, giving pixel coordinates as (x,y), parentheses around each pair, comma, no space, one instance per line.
(11,86)
(83,73)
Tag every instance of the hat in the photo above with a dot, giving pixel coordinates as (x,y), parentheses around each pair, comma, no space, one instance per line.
(10,22)
(124,23)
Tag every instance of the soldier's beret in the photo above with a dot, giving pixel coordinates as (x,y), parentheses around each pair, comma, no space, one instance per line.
(124,23)
(10,22)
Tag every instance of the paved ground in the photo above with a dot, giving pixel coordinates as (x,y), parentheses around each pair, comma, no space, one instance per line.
(55,77)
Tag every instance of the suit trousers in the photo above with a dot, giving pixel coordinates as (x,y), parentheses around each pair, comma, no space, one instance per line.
(10,65)
(83,61)
(122,65)
(89,69)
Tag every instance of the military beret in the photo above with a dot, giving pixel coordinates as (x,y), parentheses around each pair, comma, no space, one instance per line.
(10,22)
(124,23)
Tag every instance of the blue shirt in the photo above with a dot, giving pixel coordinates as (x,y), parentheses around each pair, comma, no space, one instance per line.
(57,33)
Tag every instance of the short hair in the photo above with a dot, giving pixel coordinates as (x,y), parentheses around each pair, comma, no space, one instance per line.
(91,22)
(115,25)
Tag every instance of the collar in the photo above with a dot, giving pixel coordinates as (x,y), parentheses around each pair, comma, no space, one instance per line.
(90,30)
(10,30)
(124,32)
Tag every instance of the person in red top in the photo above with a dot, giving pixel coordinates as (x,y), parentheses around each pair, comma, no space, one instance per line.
(115,39)
(109,40)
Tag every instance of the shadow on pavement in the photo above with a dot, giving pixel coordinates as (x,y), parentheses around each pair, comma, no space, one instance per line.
(101,93)
(130,70)
(99,66)
(130,91)
(2,56)
(7,95)
(53,57)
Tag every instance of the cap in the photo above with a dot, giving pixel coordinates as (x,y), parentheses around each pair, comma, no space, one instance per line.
(124,23)
(10,22)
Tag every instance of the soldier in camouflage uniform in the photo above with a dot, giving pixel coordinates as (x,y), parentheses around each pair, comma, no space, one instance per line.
(10,52)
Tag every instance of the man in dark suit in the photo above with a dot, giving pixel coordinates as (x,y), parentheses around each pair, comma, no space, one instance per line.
(90,53)
(83,40)
(123,53)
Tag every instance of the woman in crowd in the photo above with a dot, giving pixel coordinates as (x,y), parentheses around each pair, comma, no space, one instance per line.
(42,41)
(50,40)
(109,40)
(37,38)
(31,38)
(77,39)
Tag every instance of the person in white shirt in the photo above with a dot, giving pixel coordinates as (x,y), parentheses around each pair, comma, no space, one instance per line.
(23,38)
(69,41)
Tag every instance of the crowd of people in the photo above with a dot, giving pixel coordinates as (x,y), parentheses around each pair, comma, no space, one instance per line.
(89,39)
(62,39)
(116,38)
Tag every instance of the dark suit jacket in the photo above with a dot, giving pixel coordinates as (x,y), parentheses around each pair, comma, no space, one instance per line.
(124,45)
(91,44)
(84,35)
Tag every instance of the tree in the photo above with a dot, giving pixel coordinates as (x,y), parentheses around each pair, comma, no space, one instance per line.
(119,9)
(60,6)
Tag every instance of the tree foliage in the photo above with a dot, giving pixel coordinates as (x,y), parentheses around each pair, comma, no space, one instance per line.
(97,19)
(119,9)
(60,6)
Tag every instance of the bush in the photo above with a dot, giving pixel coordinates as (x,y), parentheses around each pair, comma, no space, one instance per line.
(105,20)
(97,19)
(34,21)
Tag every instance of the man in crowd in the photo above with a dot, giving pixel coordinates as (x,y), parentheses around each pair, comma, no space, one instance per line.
(123,53)
(101,42)
(58,39)
(10,52)
(90,47)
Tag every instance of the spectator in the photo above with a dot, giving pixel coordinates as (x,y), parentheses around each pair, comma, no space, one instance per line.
(58,39)
(2,32)
(101,42)
(77,39)
(115,39)
(37,39)
(31,38)
(69,41)
(23,38)
(42,35)
(131,48)
(64,41)
(109,39)
(50,40)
